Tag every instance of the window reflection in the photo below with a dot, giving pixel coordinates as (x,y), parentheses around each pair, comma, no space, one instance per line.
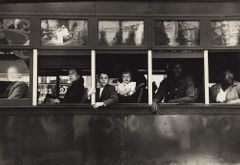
(225,33)
(64,32)
(116,33)
(15,32)
(177,33)
(14,79)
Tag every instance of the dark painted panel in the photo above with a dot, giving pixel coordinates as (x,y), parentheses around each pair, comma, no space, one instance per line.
(119,139)
(50,8)
(122,7)
(197,8)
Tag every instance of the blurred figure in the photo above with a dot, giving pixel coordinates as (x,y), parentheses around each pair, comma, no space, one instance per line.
(76,92)
(105,95)
(227,90)
(176,88)
(17,88)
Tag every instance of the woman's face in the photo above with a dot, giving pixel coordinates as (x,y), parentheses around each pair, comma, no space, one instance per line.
(73,75)
(126,77)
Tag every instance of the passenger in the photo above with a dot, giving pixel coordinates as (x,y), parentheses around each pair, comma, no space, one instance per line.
(227,90)
(176,88)
(128,90)
(105,95)
(17,88)
(76,92)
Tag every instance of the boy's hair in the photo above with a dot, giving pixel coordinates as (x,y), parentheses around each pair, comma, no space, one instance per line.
(103,72)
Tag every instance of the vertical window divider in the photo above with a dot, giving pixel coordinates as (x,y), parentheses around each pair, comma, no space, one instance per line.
(93,75)
(150,77)
(206,77)
(35,78)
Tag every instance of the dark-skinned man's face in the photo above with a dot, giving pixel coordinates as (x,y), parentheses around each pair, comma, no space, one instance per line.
(228,77)
(177,70)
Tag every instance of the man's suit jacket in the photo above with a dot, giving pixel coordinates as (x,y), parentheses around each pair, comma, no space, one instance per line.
(16,90)
(108,96)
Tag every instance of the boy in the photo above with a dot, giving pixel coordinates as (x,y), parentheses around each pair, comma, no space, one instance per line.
(106,94)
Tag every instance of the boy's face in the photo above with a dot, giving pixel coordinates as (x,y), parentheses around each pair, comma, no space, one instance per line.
(103,79)
(126,77)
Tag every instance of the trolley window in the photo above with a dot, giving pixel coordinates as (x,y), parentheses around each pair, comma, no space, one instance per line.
(127,72)
(14,32)
(177,33)
(15,77)
(64,79)
(120,33)
(63,32)
(178,77)
(224,77)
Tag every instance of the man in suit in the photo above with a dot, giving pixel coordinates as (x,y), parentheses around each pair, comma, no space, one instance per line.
(105,95)
(76,92)
(16,89)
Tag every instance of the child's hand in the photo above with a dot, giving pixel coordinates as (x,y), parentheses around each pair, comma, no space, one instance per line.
(91,91)
(98,104)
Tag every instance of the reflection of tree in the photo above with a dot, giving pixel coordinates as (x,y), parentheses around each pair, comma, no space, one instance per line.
(161,35)
(117,40)
(83,36)
(181,34)
(131,38)
(102,38)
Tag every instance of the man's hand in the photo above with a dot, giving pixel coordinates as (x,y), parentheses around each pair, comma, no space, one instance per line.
(154,107)
(56,101)
(98,104)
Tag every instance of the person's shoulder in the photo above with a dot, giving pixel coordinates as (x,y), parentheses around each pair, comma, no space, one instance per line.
(216,86)
(237,83)
(21,83)
(187,78)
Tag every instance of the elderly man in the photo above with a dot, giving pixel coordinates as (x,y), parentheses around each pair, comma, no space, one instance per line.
(227,91)
(176,88)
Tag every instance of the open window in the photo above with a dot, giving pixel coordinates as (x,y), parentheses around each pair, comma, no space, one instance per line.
(224,77)
(178,76)
(127,73)
(15,66)
(64,77)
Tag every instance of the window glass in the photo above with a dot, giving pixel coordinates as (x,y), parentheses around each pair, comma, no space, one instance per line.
(177,33)
(119,33)
(14,32)
(14,74)
(64,32)
(225,33)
